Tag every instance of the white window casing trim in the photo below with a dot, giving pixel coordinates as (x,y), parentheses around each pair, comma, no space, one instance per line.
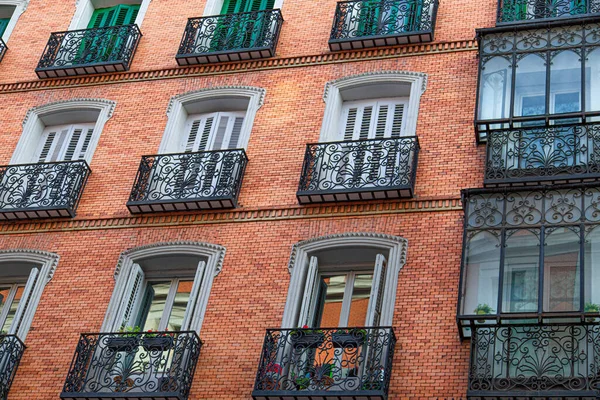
(177,115)
(20,7)
(214,264)
(334,102)
(85,8)
(298,266)
(33,125)
(46,262)
(213,7)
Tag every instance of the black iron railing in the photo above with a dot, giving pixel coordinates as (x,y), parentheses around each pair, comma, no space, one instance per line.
(511,11)
(557,359)
(42,190)
(370,23)
(188,181)
(359,170)
(89,51)
(317,363)
(554,153)
(157,366)
(230,37)
(3,48)
(11,351)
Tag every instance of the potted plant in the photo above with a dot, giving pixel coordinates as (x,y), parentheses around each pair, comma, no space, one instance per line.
(353,337)
(126,340)
(591,308)
(483,309)
(157,341)
(307,338)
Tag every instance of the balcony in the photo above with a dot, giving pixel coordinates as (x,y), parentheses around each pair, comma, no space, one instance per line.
(555,154)
(333,363)
(11,351)
(3,48)
(360,24)
(89,51)
(188,181)
(359,170)
(558,361)
(43,190)
(232,37)
(131,366)
(519,11)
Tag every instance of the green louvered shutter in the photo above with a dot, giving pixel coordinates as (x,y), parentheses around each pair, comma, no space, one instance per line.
(126,14)
(102,17)
(3,24)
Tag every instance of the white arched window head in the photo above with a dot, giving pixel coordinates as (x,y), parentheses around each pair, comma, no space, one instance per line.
(360,106)
(23,276)
(62,131)
(337,265)
(163,285)
(84,9)
(211,119)
(10,11)
(214,7)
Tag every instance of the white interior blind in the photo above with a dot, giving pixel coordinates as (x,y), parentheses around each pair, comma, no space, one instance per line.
(214,131)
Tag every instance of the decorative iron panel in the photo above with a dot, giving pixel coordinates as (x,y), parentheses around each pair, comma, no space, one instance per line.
(90,50)
(300,363)
(511,11)
(189,177)
(11,351)
(255,33)
(373,166)
(543,154)
(159,365)
(42,190)
(359,19)
(543,360)
(2,48)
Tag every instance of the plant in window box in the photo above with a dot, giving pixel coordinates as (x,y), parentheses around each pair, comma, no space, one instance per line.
(307,338)
(320,375)
(483,309)
(127,339)
(158,341)
(591,308)
(353,337)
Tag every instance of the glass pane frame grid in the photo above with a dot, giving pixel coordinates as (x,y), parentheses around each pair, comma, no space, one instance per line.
(513,45)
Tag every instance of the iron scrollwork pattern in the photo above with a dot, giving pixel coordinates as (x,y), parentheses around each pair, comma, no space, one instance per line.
(334,360)
(88,47)
(2,48)
(231,32)
(537,154)
(535,358)
(157,365)
(528,10)
(42,186)
(11,351)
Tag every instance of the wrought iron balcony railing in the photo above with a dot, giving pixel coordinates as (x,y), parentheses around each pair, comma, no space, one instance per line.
(3,48)
(331,363)
(89,51)
(360,24)
(157,366)
(188,181)
(518,11)
(11,351)
(557,360)
(558,153)
(42,190)
(359,170)
(231,37)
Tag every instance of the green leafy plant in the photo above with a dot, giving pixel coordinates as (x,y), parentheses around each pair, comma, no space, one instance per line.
(483,309)
(591,308)
(130,331)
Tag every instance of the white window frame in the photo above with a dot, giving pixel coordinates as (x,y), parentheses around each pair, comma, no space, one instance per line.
(213,255)
(33,127)
(84,9)
(20,7)
(395,247)
(334,102)
(213,7)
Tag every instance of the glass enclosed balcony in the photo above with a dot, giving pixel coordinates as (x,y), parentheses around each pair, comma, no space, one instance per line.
(520,11)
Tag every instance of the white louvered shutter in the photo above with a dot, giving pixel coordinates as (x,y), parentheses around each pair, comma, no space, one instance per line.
(310,289)
(372,119)
(65,143)
(377,288)
(53,142)
(79,142)
(215,131)
(131,299)
(194,296)
(33,276)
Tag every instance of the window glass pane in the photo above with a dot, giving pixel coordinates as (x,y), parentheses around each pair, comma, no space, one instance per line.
(592,271)
(182,297)
(12,309)
(592,80)
(482,272)
(360,300)
(4,293)
(494,89)
(332,292)
(153,305)
(530,86)
(565,83)
(561,270)
(521,272)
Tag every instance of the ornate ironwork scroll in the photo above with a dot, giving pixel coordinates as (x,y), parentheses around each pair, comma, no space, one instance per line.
(339,361)
(529,10)
(160,365)
(11,351)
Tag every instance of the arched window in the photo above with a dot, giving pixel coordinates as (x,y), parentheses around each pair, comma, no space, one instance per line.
(104,13)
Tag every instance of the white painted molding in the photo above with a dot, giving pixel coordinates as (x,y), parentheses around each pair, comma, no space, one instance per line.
(333,99)
(396,246)
(213,7)
(213,253)
(177,114)
(33,126)
(84,9)
(20,7)
(46,262)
